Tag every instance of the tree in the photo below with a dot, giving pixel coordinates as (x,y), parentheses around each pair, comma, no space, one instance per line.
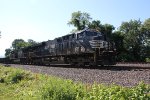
(118,38)
(80,20)
(18,44)
(106,29)
(7,52)
(145,30)
(31,42)
(96,24)
(132,41)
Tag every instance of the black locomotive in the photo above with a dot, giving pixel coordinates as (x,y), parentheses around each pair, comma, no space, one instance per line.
(86,47)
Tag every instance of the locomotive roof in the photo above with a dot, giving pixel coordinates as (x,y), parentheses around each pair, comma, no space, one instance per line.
(87,30)
(84,30)
(43,43)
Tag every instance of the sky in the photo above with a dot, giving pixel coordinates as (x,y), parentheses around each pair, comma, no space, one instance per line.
(43,20)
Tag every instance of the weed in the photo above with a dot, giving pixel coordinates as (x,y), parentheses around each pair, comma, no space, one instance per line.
(19,84)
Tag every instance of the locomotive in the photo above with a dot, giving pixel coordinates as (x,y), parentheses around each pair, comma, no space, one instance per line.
(85,47)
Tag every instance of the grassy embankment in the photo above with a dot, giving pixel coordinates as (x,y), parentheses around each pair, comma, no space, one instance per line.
(17,84)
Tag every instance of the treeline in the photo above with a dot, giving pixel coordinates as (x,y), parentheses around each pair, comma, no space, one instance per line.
(132,38)
(18,44)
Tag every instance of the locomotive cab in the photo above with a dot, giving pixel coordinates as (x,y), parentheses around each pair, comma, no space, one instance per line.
(95,43)
(104,50)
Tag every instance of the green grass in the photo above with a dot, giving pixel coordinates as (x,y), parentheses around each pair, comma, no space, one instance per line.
(17,84)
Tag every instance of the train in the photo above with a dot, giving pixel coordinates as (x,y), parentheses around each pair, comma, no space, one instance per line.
(86,47)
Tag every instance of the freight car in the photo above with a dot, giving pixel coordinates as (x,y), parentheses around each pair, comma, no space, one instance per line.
(86,47)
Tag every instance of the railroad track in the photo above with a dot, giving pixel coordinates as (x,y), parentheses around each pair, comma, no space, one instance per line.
(134,65)
(118,66)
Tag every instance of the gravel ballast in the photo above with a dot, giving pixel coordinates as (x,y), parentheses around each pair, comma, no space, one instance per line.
(108,76)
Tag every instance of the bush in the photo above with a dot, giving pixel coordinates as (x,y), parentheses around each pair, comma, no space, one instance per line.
(58,89)
(94,92)
(10,75)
